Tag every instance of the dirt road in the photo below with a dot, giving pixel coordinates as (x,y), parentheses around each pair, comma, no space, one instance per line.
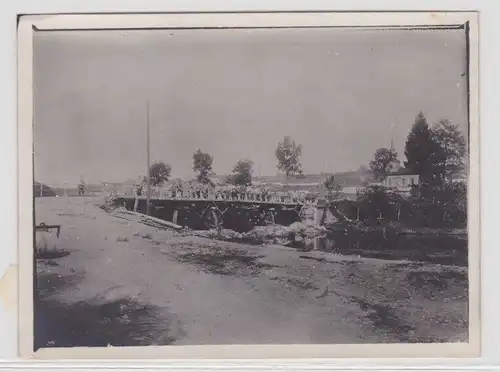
(120,282)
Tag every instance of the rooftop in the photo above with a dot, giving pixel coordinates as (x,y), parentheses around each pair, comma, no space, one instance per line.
(402,172)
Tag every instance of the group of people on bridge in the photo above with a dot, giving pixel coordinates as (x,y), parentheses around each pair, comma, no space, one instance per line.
(196,191)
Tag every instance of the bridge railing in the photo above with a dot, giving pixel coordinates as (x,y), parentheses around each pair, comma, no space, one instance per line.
(210,194)
(271,198)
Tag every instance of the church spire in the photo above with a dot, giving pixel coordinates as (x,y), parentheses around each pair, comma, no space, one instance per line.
(394,165)
(391,132)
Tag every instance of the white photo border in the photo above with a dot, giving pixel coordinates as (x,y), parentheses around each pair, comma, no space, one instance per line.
(28,25)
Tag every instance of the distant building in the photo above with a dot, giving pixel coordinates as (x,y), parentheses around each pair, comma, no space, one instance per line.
(400,179)
(351,192)
(42,190)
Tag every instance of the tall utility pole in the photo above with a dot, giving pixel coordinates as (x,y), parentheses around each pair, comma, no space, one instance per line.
(148,162)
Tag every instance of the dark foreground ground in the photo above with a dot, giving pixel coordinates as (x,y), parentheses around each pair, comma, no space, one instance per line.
(114,281)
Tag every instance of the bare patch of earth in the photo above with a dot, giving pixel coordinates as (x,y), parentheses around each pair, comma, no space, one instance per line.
(222,260)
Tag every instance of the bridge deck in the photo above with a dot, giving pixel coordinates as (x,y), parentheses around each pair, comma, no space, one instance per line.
(272,201)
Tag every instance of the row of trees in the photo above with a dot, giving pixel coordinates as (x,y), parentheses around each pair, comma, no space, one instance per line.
(159,172)
(433,152)
(288,154)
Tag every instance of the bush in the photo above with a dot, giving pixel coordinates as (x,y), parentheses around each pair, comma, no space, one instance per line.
(377,202)
(445,206)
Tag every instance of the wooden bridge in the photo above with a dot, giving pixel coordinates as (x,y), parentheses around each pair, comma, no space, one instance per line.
(199,211)
(225,195)
(248,197)
(217,207)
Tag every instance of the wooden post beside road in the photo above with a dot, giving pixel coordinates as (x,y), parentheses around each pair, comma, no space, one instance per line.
(136,203)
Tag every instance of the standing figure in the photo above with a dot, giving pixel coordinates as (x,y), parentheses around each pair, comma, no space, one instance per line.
(180,191)
(81,186)
(137,193)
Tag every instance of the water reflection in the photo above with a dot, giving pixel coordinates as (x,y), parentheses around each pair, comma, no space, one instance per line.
(445,250)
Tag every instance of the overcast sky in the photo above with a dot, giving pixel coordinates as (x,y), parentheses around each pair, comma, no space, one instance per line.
(235,93)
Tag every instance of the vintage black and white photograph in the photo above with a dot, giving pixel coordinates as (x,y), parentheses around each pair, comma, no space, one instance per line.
(251,186)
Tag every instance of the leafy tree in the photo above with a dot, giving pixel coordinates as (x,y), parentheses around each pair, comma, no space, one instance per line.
(379,165)
(242,173)
(202,164)
(451,200)
(422,151)
(159,173)
(443,206)
(333,188)
(288,154)
(375,202)
(452,147)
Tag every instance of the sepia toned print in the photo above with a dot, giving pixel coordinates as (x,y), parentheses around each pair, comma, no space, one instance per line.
(253,186)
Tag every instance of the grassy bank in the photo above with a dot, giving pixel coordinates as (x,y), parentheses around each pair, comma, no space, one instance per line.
(393,227)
